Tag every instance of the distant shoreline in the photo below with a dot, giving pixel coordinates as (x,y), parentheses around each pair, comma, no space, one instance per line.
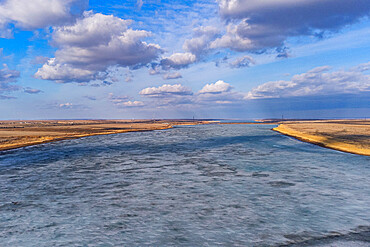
(351,136)
(18,134)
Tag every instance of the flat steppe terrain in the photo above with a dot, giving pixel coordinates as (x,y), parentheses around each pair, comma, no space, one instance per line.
(351,136)
(16,134)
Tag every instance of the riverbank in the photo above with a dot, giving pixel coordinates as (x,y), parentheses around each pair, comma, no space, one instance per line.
(352,136)
(17,134)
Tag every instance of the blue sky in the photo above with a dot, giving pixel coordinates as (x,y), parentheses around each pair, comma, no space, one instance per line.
(239,59)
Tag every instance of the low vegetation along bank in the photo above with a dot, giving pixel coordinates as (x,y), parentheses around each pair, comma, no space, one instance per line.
(16,134)
(352,136)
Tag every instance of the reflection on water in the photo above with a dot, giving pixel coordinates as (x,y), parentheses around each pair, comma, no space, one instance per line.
(209,185)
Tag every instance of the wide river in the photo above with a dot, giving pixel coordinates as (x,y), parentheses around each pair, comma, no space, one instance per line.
(206,185)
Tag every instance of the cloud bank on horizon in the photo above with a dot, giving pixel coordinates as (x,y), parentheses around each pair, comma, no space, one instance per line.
(318,81)
(234,53)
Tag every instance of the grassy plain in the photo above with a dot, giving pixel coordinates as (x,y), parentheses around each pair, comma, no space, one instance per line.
(16,134)
(352,136)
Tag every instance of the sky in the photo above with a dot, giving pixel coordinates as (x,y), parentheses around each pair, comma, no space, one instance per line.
(236,59)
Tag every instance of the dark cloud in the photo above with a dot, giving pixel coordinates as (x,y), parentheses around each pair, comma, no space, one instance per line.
(283,52)
(32,90)
(171,76)
(267,24)
(6,97)
(117,99)
(7,78)
(194,48)
(91,98)
(240,62)
(31,15)
(303,104)
(200,42)
(7,75)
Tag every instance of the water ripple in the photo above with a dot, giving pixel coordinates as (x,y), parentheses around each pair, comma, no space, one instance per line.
(214,185)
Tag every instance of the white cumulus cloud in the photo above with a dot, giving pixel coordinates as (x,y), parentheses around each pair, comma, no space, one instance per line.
(165,90)
(133,103)
(216,88)
(232,40)
(93,44)
(66,105)
(178,60)
(219,93)
(318,81)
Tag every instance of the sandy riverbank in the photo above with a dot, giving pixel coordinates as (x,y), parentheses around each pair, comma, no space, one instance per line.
(16,134)
(352,136)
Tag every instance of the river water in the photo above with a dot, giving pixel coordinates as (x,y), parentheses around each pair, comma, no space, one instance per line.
(206,185)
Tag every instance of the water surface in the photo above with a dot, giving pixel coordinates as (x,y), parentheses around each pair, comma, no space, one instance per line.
(210,185)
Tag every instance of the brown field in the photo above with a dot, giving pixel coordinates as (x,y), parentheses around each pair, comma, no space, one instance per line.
(16,134)
(352,136)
